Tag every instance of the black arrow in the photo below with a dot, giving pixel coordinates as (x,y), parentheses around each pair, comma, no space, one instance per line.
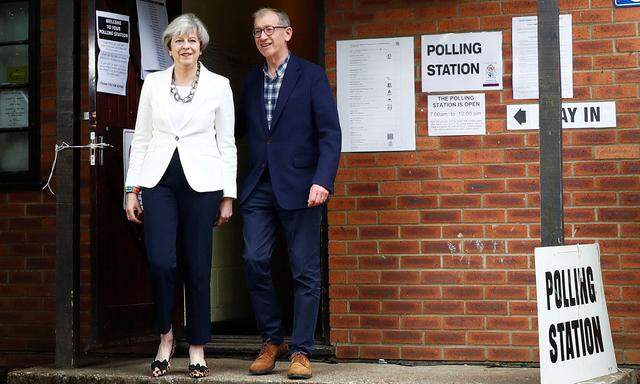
(521,116)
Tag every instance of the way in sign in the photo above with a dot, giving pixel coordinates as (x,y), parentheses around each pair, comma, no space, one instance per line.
(574,115)
(589,114)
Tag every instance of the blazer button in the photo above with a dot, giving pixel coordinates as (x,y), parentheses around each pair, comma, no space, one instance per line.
(177,138)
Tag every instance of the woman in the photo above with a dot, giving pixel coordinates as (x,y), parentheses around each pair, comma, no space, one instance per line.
(183,160)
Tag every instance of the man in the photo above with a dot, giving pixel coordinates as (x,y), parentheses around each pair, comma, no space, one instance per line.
(291,121)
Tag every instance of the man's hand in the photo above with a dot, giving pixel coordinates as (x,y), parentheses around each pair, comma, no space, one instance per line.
(133,208)
(226,210)
(317,195)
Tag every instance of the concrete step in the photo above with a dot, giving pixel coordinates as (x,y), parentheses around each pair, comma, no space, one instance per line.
(233,371)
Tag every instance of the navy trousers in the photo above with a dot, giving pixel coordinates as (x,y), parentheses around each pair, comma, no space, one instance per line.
(179,221)
(261,215)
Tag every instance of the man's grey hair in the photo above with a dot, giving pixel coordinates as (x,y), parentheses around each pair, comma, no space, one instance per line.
(183,25)
(283,18)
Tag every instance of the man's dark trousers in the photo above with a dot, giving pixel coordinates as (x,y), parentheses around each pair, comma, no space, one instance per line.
(262,215)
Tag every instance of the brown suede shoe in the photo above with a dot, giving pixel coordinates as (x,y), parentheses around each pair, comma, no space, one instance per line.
(266,360)
(300,367)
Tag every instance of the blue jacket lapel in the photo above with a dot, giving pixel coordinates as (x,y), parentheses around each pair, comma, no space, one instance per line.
(262,115)
(291,76)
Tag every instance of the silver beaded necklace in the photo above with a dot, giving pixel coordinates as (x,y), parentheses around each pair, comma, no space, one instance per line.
(194,85)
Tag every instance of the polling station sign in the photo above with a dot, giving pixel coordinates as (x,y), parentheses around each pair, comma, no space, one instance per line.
(573,324)
(462,62)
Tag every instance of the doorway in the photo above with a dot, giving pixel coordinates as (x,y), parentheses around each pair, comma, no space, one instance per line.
(122,305)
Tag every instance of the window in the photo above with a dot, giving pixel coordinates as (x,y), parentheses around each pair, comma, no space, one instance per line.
(19,100)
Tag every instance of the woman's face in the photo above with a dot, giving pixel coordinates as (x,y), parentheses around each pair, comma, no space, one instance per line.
(185,49)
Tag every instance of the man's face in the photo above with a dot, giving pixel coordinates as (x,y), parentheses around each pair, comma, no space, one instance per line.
(276,44)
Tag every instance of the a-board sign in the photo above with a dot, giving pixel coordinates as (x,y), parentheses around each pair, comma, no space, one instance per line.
(574,115)
(627,3)
(461,62)
(573,324)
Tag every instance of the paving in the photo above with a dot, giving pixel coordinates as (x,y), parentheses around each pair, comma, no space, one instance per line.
(233,371)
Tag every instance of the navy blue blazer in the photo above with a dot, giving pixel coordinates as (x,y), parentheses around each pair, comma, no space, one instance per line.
(303,145)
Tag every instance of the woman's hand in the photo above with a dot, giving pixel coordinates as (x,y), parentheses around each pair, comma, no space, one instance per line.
(132,207)
(226,210)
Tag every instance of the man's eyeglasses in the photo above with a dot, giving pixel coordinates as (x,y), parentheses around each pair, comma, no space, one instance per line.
(268,30)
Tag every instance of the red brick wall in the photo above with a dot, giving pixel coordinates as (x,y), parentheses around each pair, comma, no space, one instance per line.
(431,251)
(27,232)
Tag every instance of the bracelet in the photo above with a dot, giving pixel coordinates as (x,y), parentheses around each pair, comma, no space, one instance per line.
(130,189)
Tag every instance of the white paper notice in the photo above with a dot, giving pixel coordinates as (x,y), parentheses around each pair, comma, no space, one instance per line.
(525,57)
(462,62)
(14,109)
(152,21)
(113,59)
(376,94)
(454,115)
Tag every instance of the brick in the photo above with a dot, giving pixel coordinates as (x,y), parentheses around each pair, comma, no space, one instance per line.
(342,233)
(437,277)
(420,232)
(378,262)
(442,186)
(377,292)
(462,262)
(364,306)
(509,354)
(379,352)
(400,247)
(504,170)
(462,293)
(506,292)
(363,277)
(420,292)
(375,203)
(358,189)
(342,292)
(486,307)
(613,30)
(403,337)
(626,151)
(401,307)
(400,217)
(615,91)
(440,216)
(379,322)
(443,307)
(365,336)
(440,246)
(488,338)
(464,354)
(420,353)
(483,186)
(484,246)
(417,202)
(521,277)
(618,183)
(460,201)
(615,61)
(483,216)
(522,308)
(420,173)
(362,217)
(482,156)
(400,277)
(449,337)
(503,200)
(378,232)
(508,323)
(461,171)
(400,188)
(506,231)
(462,231)
(594,198)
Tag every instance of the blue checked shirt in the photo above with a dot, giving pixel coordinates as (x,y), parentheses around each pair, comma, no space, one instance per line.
(272,88)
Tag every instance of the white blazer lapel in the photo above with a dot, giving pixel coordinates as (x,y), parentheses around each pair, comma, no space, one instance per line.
(163,94)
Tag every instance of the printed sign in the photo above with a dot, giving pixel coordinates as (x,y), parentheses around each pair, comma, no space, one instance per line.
(573,324)
(113,59)
(574,115)
(453,115)
(462,62)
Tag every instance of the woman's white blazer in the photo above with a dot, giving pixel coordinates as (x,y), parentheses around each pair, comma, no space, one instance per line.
(205,141)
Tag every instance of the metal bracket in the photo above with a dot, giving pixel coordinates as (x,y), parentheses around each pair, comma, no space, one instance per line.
(92,150)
